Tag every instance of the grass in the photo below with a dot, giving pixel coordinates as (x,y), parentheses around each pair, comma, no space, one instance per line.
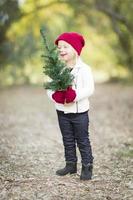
(127,151)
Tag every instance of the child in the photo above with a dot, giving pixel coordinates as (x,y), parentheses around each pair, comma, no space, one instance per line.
(72,106)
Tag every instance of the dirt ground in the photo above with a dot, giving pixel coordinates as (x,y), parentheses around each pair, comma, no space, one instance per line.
(31,148)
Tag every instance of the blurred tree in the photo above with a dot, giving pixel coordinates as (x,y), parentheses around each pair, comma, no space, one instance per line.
(20,21)
(7,16)
(120,15)
(9,12)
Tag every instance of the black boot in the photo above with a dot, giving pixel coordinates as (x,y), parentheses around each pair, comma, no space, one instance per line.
(70,168)
(86,172)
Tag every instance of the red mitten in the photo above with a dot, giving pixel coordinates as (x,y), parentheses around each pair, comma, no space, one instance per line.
(59,96)
(70,95)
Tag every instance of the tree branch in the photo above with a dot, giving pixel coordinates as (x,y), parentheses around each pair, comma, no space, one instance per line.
(112,14)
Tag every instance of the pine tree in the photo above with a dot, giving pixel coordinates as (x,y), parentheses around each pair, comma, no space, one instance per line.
(54,68)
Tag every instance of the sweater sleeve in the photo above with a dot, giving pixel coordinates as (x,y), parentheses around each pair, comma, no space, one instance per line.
(48,91)
(87,87)
(49,94)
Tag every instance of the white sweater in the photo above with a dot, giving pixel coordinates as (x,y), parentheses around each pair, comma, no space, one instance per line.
(83,84)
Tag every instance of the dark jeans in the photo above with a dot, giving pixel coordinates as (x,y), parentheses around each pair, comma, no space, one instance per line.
(74,129)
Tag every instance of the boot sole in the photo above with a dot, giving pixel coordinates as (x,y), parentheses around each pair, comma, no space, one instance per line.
(85,179)
(66,174)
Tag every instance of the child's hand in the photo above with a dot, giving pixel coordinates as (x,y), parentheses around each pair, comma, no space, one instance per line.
(70,95)
(59,96)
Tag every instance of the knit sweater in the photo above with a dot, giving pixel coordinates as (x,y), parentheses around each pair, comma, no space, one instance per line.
(83,84)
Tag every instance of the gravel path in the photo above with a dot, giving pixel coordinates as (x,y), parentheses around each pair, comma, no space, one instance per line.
(31,148)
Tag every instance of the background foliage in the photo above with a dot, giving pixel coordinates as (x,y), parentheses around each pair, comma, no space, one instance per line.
(106,25)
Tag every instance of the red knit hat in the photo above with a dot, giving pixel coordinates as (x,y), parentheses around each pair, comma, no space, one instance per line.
(74,39)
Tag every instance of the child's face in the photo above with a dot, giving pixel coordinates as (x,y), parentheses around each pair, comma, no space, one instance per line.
(66,52)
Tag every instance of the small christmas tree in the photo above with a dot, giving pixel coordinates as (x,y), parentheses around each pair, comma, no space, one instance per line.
(54,68)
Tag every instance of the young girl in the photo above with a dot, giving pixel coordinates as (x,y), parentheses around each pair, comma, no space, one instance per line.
(72,106)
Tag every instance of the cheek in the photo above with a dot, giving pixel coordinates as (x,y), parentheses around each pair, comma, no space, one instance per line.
(71,54)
